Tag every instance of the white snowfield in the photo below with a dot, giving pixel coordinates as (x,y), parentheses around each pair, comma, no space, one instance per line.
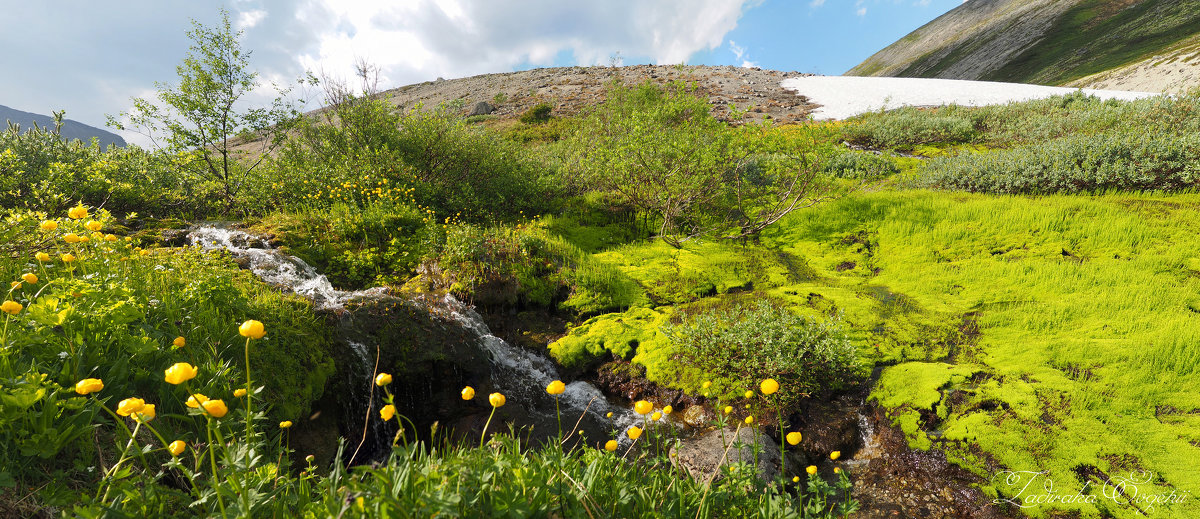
(846,96)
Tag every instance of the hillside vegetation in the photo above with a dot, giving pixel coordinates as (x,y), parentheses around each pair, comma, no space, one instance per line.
(1014,287)
(1033,41)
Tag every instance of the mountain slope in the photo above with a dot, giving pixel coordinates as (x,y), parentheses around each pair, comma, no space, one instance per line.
(70,129)
(1050,42)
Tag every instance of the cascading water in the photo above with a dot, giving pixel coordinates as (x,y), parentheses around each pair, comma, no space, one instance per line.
(521,375)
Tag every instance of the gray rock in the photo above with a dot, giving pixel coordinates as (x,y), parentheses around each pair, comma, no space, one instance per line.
(703,455)
(482,108)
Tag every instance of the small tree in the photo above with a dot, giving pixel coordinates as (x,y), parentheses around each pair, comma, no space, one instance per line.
(200,116)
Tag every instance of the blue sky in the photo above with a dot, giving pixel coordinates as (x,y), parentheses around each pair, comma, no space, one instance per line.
(90,58)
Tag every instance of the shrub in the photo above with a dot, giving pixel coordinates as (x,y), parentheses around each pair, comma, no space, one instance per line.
(757,340)
(537,114)
(908,127)
(857,165)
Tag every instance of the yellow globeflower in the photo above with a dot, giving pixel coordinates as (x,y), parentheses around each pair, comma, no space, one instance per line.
(239,392)
(387,412)
(609,415)
(707,384)
(748,394)
(668,409)
(16,285)
(496,399)
(556,388)
(42,256)
(11,307)
(93,225)
(78,212)
(285,424)
(48,225)
(252,329)
(147,413)
(468,393)
(728,409)
(179,342)
(30,278)
(195,400)
(611,445)
(835,455)
(812,469)
(793,438)
(750,420)
(84,239)
(383,379)
(71,237)
(796,479)
(130,406)
(769,386)
(110,237)
(180,372)
(634,432)
(89,385)
(176,447)
(67,258)
(643,407)
(837,470)
(216,408)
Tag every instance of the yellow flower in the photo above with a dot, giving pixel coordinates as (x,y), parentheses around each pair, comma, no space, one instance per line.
(84,239)
(110,237)
(812,469)
(656,416)
(195,400)
(387,412)
(67,258)
(176,447)
(668,409)
(285,424)
(89,385)
(216,408)
(130,406)
(147,413)
(837,470)
(707,384)
(611,445)
(556,388)
(748,394)
(48,225)
(769,386)
(728,409)
(239,392)
(30,278)
(609,415)
(16,285)
(179,342)
(793,438)
(78,212)
(750,420)
(383,379)
(11,307)
(93,225)
(180,372)
(835,455)
(71,237)
(468,393)
(42,256)
(643,407)
(496,399)
(252,329)
(634,432)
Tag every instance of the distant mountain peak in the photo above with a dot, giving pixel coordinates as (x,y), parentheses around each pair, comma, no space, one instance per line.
(70,129)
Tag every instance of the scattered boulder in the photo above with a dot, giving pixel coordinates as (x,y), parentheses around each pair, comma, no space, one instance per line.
(482,108)
(703,455)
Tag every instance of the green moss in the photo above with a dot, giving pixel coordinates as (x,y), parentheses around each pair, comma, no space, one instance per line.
(917,385)
(622,334)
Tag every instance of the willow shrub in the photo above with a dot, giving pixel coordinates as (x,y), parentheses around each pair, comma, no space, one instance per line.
(754,340)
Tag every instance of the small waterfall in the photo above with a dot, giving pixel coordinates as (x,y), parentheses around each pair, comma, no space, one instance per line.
(521,375)
(276,268)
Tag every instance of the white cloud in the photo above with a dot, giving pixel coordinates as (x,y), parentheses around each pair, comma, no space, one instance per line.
(816,3)
(248,19)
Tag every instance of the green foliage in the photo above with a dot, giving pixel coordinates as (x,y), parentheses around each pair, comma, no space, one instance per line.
(621,334)
(537,114)
(857,165)
(758,340)
(201,115)
(909,127)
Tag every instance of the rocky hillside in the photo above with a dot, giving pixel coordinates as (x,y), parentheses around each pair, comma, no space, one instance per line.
(70,129)
(1123,44)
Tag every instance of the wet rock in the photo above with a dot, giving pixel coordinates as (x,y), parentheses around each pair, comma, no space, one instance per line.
(830,426)
(697,416)
(703,455)
(174,237)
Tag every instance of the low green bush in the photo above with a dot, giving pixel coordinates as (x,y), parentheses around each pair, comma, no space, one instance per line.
(858,165)
(754,340)
(537,114)
(908,127)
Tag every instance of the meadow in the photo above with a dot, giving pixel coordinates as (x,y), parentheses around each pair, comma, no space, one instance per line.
(1015,285)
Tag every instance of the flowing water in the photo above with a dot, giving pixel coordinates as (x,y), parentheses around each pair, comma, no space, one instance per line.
(520,374)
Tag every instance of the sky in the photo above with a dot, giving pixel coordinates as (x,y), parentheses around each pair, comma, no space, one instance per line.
(91,58)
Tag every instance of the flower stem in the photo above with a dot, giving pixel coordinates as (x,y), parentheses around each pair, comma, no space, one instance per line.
(249,408)
(485,427)
(212,456)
